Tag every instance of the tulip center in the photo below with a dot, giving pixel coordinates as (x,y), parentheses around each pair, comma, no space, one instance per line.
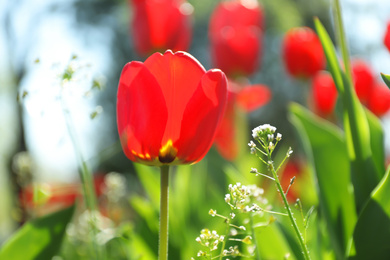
(167,153)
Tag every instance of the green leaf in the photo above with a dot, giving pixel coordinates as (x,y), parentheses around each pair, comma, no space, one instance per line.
(330,54)
(325,148)
(386,79)
(356,126)
(150,179)
(40,238)
(372,233)
(377,142)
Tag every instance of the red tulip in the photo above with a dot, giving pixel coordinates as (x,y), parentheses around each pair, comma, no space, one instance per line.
(363,80)
(248,98)
(168,108)
(302,53)
(235,33)
(253,97)
(324,93)
(161,24)
(386,39)
(291,170)
(379,101)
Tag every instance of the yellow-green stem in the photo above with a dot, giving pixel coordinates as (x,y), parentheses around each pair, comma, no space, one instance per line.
(164,202)
(305,251)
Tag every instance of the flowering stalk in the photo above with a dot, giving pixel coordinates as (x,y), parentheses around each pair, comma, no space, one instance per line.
(163,239)
(264,134)
(85,174)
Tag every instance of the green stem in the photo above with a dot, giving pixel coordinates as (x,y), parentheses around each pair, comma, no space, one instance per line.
(163,240)
(342,40)
(305,251)
(254,236)
(226,237)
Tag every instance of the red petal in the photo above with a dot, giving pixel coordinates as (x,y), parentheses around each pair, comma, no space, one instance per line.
(225,139)
(202,116)
(386,39)
(251,98)
(141,112)
(178,76)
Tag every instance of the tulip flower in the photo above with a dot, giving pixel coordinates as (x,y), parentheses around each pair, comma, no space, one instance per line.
(168,109)
(248,99)
(324,93)
(379,101)
(302,53)
(161,24)
(386,39)
(235,32)
(363,80)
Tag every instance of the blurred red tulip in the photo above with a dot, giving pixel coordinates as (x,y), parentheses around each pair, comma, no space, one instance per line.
(235,33)
(302,52)
(50,197)
(291,170)
(161,24)
(379,101)
(324,93)
(363,80)
(386,39)
(252,97)
(168,109)
(248,98)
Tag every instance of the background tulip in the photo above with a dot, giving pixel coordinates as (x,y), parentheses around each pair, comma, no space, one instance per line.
(235,32)
(386,39)
(363,80)
(248,99)
(324,93)
(379,101)
(161,24)
(168,109)
(302,52)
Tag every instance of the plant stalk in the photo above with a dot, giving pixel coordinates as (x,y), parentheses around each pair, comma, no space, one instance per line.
(305,251)
(164,194)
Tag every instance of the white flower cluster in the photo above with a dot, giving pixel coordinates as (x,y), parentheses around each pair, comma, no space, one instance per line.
(209,239)
(244,198)
(263,129)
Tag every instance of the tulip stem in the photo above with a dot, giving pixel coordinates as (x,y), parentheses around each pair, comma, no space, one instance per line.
(163,239)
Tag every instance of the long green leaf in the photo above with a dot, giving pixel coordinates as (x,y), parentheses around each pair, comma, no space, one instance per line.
(38,239)
(325,147)
(371,236)
(356,127)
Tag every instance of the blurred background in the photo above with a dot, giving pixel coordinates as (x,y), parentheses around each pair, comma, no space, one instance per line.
(41,40)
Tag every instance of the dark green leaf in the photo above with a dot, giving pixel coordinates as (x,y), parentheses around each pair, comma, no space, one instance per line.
(372,233)
(38,239)
(386,79)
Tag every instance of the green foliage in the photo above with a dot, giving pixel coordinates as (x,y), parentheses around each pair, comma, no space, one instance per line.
(386,79)
(356,126)
(325,147)
(40,238)
(372,232)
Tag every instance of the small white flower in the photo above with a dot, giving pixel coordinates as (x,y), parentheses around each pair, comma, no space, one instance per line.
(278,137)
(252,144)
(227,198)
(253,150)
